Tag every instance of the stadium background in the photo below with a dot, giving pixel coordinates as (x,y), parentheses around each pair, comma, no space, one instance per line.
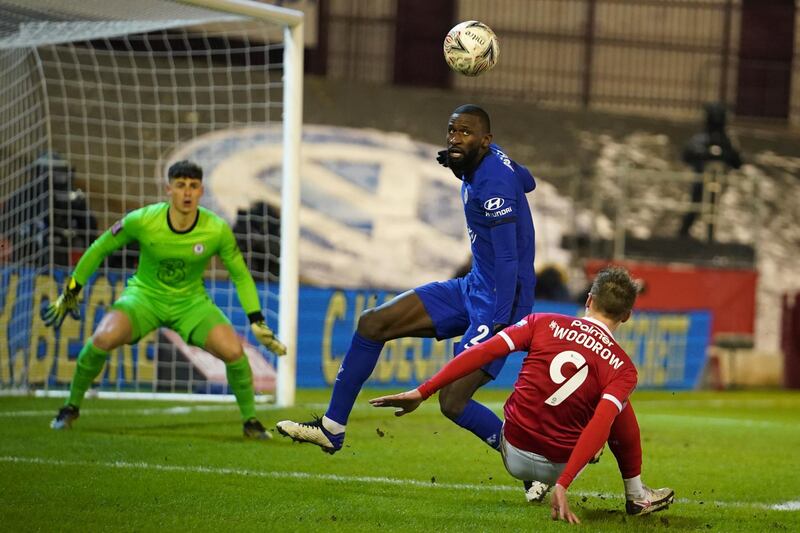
(149,465)
(597,99)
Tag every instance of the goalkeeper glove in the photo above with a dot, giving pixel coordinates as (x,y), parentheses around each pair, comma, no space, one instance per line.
(67,303)
(265,335)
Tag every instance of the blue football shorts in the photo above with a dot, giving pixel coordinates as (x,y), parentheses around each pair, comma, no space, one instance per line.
(456,309)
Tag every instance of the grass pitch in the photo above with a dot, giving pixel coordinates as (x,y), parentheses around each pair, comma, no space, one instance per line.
(145,466)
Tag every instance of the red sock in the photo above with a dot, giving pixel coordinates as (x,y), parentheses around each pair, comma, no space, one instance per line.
(624,442)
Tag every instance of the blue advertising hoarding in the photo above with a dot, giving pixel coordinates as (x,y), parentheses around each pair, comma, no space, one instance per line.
(669,349)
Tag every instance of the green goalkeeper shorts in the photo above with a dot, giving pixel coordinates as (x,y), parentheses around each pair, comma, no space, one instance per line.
(192,317)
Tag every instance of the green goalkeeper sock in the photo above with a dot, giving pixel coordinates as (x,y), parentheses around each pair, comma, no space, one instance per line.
(240,380)
(90,363)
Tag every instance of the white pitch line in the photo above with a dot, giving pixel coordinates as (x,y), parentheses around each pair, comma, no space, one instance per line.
(786,506)
(178,410)
(361,407)
(182,410)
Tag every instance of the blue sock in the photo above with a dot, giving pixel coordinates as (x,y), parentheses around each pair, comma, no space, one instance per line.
(480,420)
(357,365)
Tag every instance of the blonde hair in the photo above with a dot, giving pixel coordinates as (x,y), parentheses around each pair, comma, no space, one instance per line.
(614,292)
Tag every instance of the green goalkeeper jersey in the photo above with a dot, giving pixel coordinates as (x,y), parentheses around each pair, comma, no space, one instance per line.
(172,263)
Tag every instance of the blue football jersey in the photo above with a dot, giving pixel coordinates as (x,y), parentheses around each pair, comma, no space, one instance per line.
(501,233)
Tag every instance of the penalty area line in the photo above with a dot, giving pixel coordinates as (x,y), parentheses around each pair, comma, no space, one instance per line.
(155,467)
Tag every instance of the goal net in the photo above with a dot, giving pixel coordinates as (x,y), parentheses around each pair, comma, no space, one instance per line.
(97,99)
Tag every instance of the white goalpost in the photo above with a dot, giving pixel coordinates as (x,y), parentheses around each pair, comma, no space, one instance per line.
(97,99)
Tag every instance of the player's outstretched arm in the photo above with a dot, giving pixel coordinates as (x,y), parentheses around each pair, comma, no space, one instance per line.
(468,361)
(590,442)
(66,304)
(405,401)
(120,234)
(246,289)
(264,334)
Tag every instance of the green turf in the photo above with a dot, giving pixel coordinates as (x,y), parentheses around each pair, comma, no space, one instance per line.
(135,466)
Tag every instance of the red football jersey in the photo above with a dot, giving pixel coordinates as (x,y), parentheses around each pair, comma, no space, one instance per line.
(572,364)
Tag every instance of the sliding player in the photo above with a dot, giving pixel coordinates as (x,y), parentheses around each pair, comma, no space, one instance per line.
(574,382)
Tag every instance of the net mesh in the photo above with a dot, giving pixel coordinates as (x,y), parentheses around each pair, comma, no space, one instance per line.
(97,97)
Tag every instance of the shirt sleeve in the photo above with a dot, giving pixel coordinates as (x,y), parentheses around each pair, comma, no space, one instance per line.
(240,275)
(509,340)
(500,198)
(506,266)
(519,336)
(525,174)
(123,232)
(621,386)
(592,438)
(500,209)
(466,362)
(596,432)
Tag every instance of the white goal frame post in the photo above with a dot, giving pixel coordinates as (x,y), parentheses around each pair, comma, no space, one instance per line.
(292,104)
(290,191)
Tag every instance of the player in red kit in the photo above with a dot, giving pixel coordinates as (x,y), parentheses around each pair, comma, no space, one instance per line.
(574,382)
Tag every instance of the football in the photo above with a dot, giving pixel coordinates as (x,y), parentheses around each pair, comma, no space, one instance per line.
(471,48)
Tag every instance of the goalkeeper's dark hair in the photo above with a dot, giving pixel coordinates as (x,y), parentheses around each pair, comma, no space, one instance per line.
(477,111)
(614,292)
(185,169)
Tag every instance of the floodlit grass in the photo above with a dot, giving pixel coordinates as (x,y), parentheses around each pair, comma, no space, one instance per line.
(144,466)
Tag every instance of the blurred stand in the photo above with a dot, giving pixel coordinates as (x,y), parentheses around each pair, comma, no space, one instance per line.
(663,249)
(710,154)
(26,216)
(258,233)
(551,285)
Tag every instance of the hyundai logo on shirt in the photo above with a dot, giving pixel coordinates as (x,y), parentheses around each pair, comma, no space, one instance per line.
(493,204)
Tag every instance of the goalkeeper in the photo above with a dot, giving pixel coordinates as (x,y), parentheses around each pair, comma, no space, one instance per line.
(177,239)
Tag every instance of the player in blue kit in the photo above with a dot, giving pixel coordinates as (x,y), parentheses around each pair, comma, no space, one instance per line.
(497,291)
